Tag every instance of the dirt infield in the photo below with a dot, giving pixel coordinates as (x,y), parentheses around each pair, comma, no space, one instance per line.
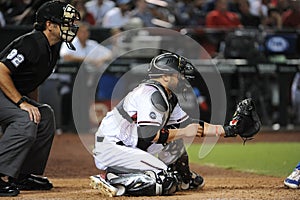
(70,165)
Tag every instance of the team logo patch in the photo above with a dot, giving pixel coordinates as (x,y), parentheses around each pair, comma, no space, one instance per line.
(152,115)
(233,122)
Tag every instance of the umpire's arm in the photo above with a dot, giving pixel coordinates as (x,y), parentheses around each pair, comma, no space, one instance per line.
(8,88)
(6,84)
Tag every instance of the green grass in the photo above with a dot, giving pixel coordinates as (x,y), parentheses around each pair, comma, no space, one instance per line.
(275,159)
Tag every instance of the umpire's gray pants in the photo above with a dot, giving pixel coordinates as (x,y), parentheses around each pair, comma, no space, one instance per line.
(24,145)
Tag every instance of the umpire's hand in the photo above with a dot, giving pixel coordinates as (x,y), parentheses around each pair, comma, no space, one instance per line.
(34,113)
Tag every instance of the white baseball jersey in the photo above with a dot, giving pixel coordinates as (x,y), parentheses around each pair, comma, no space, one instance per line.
(115,19)
(115,128)
(92,49)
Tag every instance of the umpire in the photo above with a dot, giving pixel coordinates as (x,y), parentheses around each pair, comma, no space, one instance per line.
(28,126)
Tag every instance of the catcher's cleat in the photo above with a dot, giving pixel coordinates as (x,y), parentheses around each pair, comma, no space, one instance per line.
(196,182)
(103,186)
(293,180)
(31,182)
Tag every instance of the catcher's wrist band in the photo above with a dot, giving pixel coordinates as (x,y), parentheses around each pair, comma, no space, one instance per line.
(163,136)
(201,123)
(23,99)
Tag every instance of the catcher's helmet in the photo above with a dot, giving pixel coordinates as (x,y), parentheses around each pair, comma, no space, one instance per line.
(170,63)
(60,13)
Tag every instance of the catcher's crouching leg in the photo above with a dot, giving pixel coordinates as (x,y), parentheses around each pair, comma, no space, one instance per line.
(180,165)
(188,179)
(144,184)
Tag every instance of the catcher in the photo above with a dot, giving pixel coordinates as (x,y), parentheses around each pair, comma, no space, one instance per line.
(139,146)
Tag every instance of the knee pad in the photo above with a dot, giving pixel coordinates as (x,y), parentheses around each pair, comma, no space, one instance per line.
(167,179)
(133,184)
(148,183)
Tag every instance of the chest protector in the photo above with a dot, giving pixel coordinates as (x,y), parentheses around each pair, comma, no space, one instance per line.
(160,99)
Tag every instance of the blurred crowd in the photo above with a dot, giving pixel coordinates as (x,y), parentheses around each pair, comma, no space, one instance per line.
(118,14)
(167,13)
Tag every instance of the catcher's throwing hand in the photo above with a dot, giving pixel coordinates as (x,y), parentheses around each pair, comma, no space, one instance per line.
(245,121)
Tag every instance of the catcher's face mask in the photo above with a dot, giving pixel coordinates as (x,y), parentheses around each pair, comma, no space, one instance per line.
(186,69)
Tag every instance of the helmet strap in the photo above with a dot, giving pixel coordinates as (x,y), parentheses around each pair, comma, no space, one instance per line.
(67,35)
(70,46)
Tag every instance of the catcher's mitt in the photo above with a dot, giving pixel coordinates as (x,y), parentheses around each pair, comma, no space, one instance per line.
(245,121)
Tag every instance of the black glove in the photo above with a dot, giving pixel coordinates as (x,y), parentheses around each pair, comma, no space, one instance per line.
(245,121)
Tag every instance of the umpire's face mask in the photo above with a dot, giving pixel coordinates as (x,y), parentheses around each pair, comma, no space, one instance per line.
(68,29)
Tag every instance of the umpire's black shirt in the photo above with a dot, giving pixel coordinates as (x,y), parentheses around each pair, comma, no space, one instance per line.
(30,59)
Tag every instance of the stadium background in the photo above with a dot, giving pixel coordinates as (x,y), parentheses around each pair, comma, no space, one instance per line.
(70,163)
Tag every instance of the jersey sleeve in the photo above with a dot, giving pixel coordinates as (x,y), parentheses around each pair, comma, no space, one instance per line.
(20,52)
(178,115)
(64,50)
